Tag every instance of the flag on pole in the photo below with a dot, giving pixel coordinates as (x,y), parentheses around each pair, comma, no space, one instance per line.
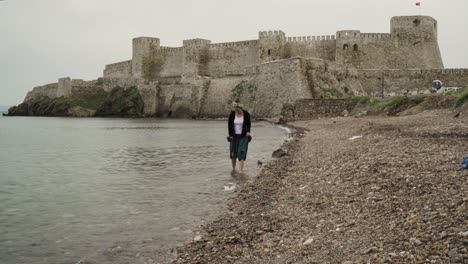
(418,3)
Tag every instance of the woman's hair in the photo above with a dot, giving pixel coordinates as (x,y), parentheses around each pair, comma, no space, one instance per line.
(237,104)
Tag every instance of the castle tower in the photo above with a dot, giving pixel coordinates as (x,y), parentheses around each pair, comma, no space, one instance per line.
(271,44)
(141,47)
(348,44)
(417,41)
(196,57)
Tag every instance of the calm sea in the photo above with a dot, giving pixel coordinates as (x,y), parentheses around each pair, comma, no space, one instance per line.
(76,190)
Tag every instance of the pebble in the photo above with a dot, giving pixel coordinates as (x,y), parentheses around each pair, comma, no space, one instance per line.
(370,250)
(415,241)
(327,182)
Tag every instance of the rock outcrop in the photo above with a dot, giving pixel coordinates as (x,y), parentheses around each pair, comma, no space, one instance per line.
(119,102)
(122,103)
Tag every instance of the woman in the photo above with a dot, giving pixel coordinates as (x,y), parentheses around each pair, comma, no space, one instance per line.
(239,135)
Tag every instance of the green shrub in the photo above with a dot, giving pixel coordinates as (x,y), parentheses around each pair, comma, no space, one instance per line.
(373,101)
(403,100)
(462,99)
(244,90)
(361,99)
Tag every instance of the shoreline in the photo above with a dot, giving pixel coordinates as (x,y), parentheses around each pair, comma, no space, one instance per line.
(150,251)
(334,199)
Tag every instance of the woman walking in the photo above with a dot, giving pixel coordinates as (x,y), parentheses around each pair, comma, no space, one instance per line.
(239,135)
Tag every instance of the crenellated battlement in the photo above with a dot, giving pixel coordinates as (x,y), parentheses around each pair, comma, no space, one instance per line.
(412,43)
(310,38)
(350,34)
(196,42)
(170,50)
(442,71)
(271,33)
(376,35)
(248,43)
(342,34)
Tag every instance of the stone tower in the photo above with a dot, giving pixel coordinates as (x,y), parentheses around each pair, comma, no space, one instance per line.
(271,44)
(141,47)
(348,44)
(195,57)
(417,41)
(411,44)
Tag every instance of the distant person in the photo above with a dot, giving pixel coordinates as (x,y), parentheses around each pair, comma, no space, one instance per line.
(437,85)
(239,135)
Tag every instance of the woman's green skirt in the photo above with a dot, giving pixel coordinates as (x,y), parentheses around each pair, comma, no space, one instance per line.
(238,147)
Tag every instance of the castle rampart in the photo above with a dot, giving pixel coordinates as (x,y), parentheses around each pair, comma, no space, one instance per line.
(271,72)
(198,77)
(121,69)
(235,44)
(141,47)
(196,42)
(310,38)
(411,43)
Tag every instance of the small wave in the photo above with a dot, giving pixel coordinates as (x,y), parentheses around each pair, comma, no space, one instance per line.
(143,128)
(287,129)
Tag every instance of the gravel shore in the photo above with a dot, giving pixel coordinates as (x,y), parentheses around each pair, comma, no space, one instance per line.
(351,190)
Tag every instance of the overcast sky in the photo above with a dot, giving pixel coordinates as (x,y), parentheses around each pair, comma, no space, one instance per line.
(43,40)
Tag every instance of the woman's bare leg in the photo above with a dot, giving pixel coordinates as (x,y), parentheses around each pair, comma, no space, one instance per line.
(241,164)
(233,164)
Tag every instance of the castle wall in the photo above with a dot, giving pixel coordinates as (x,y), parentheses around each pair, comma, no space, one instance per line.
(228,59)
(118,70)
(409,82)
(110,83)
(65,87)
(412,44)
(82,89)
(307,109)
(367,50)
(48,90)
(215,100)
(327,79)
(173,60)
(387,51)
(178,100)
(321,47)
(275,83)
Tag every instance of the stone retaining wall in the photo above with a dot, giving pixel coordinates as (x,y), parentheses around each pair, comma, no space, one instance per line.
(307,109)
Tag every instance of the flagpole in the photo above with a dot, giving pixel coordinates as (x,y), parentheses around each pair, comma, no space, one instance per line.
(419,5)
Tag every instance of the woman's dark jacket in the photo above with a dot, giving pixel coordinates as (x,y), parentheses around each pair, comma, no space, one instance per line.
(245,126)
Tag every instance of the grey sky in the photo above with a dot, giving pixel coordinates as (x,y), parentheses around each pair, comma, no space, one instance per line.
(43,40)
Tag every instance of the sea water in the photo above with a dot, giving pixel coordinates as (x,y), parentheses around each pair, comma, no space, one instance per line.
(114,190)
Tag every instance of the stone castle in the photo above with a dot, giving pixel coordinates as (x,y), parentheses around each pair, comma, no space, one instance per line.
(199,78)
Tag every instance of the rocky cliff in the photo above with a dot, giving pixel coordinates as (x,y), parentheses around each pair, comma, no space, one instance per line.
(96,102)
